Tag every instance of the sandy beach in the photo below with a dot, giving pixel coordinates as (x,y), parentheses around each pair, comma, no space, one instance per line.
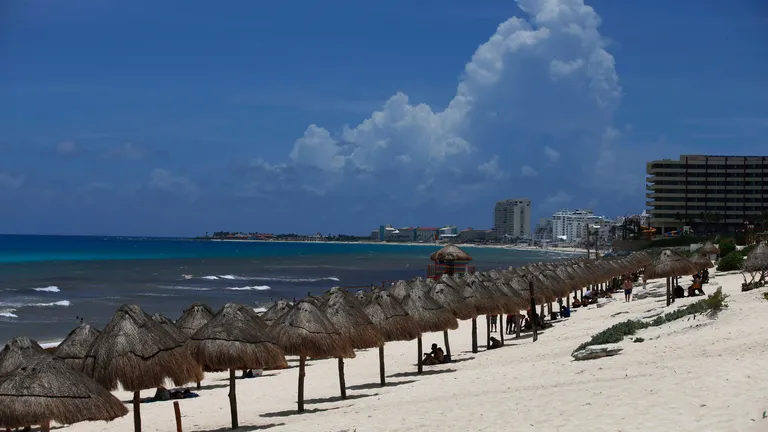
(694,374)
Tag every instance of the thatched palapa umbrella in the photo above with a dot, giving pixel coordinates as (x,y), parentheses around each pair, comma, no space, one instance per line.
(708,249)
(757,258)
(138,353)
(74,348)
(305,331)
(17,352)
(193,318)
(477,295)
(668,264)
(702,261)
(275,311)
(430,316)
(169,326)
(454,302)
(350,319)
(46,389)
(392,320)
(233,340)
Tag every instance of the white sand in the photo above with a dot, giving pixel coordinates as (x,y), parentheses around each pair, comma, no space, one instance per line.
(690,375)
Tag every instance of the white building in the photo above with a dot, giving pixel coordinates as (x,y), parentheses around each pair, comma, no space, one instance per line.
(543,231)
(512,218)
(571,226)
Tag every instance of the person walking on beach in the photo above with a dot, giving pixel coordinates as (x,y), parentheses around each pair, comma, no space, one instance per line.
(493,322)
(510,323)
(627,289)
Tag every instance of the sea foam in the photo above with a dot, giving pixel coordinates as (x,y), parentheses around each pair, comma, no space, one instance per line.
(8,313)
(271,279)
(52,289)
(250,288)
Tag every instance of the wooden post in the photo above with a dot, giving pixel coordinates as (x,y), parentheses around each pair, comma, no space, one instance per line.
(501,328)
(198,385)
(568,300)
(420,366)
(533,311)
(46,426)
(668,292)
(474,335)
(518,324)
(342,384)
(137,411)
(381,365)
(233,398)
(447,343)
(302,362)
(177,414)
(487,331)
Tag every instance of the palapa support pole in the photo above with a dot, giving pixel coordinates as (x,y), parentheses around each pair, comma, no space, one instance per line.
(474,335)
(233,398)
(487,331)
(177,414)
(518,324)
(533,311)
(668,292)
(419,349)
(342,384)
(302,363)
(137,411)
(46,426)
(447,343)
(502,329)
(381,366)
(198,385)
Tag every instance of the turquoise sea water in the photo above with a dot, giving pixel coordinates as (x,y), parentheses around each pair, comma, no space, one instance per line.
(48,282)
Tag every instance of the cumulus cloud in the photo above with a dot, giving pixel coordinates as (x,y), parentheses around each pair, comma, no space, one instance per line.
(527,171)
(10,181)
(551,154)
(164,180)
(548,75)
(558,200)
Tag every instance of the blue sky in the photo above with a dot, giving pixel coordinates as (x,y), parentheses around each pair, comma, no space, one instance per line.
(176,118)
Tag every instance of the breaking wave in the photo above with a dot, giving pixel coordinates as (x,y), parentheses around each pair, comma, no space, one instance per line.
(52,289)
(273,279)
(63,303)
(251,288)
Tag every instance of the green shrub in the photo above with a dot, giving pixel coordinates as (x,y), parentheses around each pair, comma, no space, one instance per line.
(765,295)
(726,247)
(733,261)
(710,306)
(747,250)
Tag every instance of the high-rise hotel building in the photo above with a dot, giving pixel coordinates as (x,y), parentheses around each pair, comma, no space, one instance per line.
(512,218)
(708,193)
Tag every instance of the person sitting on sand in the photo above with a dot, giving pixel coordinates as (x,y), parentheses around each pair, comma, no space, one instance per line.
(704,276)
(695,289)
(436,356)
(576,302)
(679,292)
(495,343)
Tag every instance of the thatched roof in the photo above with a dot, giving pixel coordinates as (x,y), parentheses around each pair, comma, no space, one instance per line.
(362,296)
(400,289)
(350,319)
(193,318)
(430,315)
(708,249)
(757,259)
(702,262)
(450,253)
(73,349)
(275,311)
(233,340)
(305,331)
(478,296)
(17,352)
(46,388)
(139,353)
(669,263)
(453,301)
(390,317)
(170,327)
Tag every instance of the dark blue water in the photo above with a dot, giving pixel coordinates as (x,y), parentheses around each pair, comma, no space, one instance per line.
(48,281)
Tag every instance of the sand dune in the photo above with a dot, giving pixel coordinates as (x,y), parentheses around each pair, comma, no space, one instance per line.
(689,375)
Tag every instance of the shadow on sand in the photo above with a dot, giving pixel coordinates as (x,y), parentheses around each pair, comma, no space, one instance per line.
(426,372)
(338,398)
(243,428)
(288,413)
(371,386)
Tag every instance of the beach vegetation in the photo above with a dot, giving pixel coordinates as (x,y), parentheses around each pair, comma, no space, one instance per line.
(731,261)
(710,306)
(765,295)
(726,246)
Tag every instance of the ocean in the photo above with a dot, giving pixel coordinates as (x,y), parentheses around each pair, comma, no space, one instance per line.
(48,282)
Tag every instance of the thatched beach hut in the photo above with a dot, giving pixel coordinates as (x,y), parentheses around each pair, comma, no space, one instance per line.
(757,258)
(275,311)
(350,319)
(169,326)
(708,249)
(305,331)
(74,348)
(668,264)
(392,320)
(702,262)
(47,389)
(429,315)
(452,300)
(136,352)
(193,318)
(233,340)
(477,294)
(17,352)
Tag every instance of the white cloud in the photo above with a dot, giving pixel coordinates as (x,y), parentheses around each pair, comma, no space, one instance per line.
(558,200)
(527,171)
(551,154)
(10,181)
(491,169)
(66,148)
(548,75)
(163,180)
